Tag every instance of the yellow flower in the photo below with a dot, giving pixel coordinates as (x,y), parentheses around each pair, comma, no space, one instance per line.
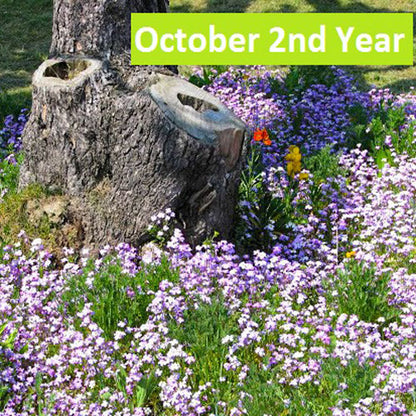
(351,254)
(293,161)
(303,175)
(294,149)
(293,168)
(294,157)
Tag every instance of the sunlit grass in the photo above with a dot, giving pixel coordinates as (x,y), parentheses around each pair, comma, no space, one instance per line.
(26,28)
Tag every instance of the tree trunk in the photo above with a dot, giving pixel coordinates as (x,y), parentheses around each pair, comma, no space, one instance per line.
(123,142)
(100,28)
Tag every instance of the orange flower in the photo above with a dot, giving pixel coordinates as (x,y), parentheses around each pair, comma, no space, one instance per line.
(262,136)
(258,135)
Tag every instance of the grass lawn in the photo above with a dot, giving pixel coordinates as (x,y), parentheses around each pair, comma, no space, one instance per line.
(26,28)
(26,31)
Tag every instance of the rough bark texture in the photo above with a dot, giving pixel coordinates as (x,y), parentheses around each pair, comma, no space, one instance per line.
(125,142)
(100,28)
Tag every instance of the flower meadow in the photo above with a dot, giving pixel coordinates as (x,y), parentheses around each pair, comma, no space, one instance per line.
(309,310)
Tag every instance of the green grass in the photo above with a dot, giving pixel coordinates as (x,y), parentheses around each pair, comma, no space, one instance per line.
(26,29)
(14,216)
(310,399)
(324,165)
(388,122)
(115,295)
(360,291)
(202,332)
(292,6)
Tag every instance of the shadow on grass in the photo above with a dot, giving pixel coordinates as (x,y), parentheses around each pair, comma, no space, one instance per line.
(402,85)
(285,8)
(335,6)
(214,6)
(235,6)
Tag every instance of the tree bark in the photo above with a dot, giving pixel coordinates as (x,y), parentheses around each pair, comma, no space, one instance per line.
(124,142)
(99,29)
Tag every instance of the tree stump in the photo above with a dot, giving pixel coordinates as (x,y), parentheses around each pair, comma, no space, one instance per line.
(124,142)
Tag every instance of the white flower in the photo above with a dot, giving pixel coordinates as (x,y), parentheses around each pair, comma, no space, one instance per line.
(227,339)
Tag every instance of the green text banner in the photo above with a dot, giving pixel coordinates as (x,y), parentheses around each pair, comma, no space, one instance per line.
(272,38)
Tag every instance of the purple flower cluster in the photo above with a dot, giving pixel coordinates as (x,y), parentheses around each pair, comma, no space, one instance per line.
(385,96)
(312,118)
(11,134)
(381,207)
(285,329)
